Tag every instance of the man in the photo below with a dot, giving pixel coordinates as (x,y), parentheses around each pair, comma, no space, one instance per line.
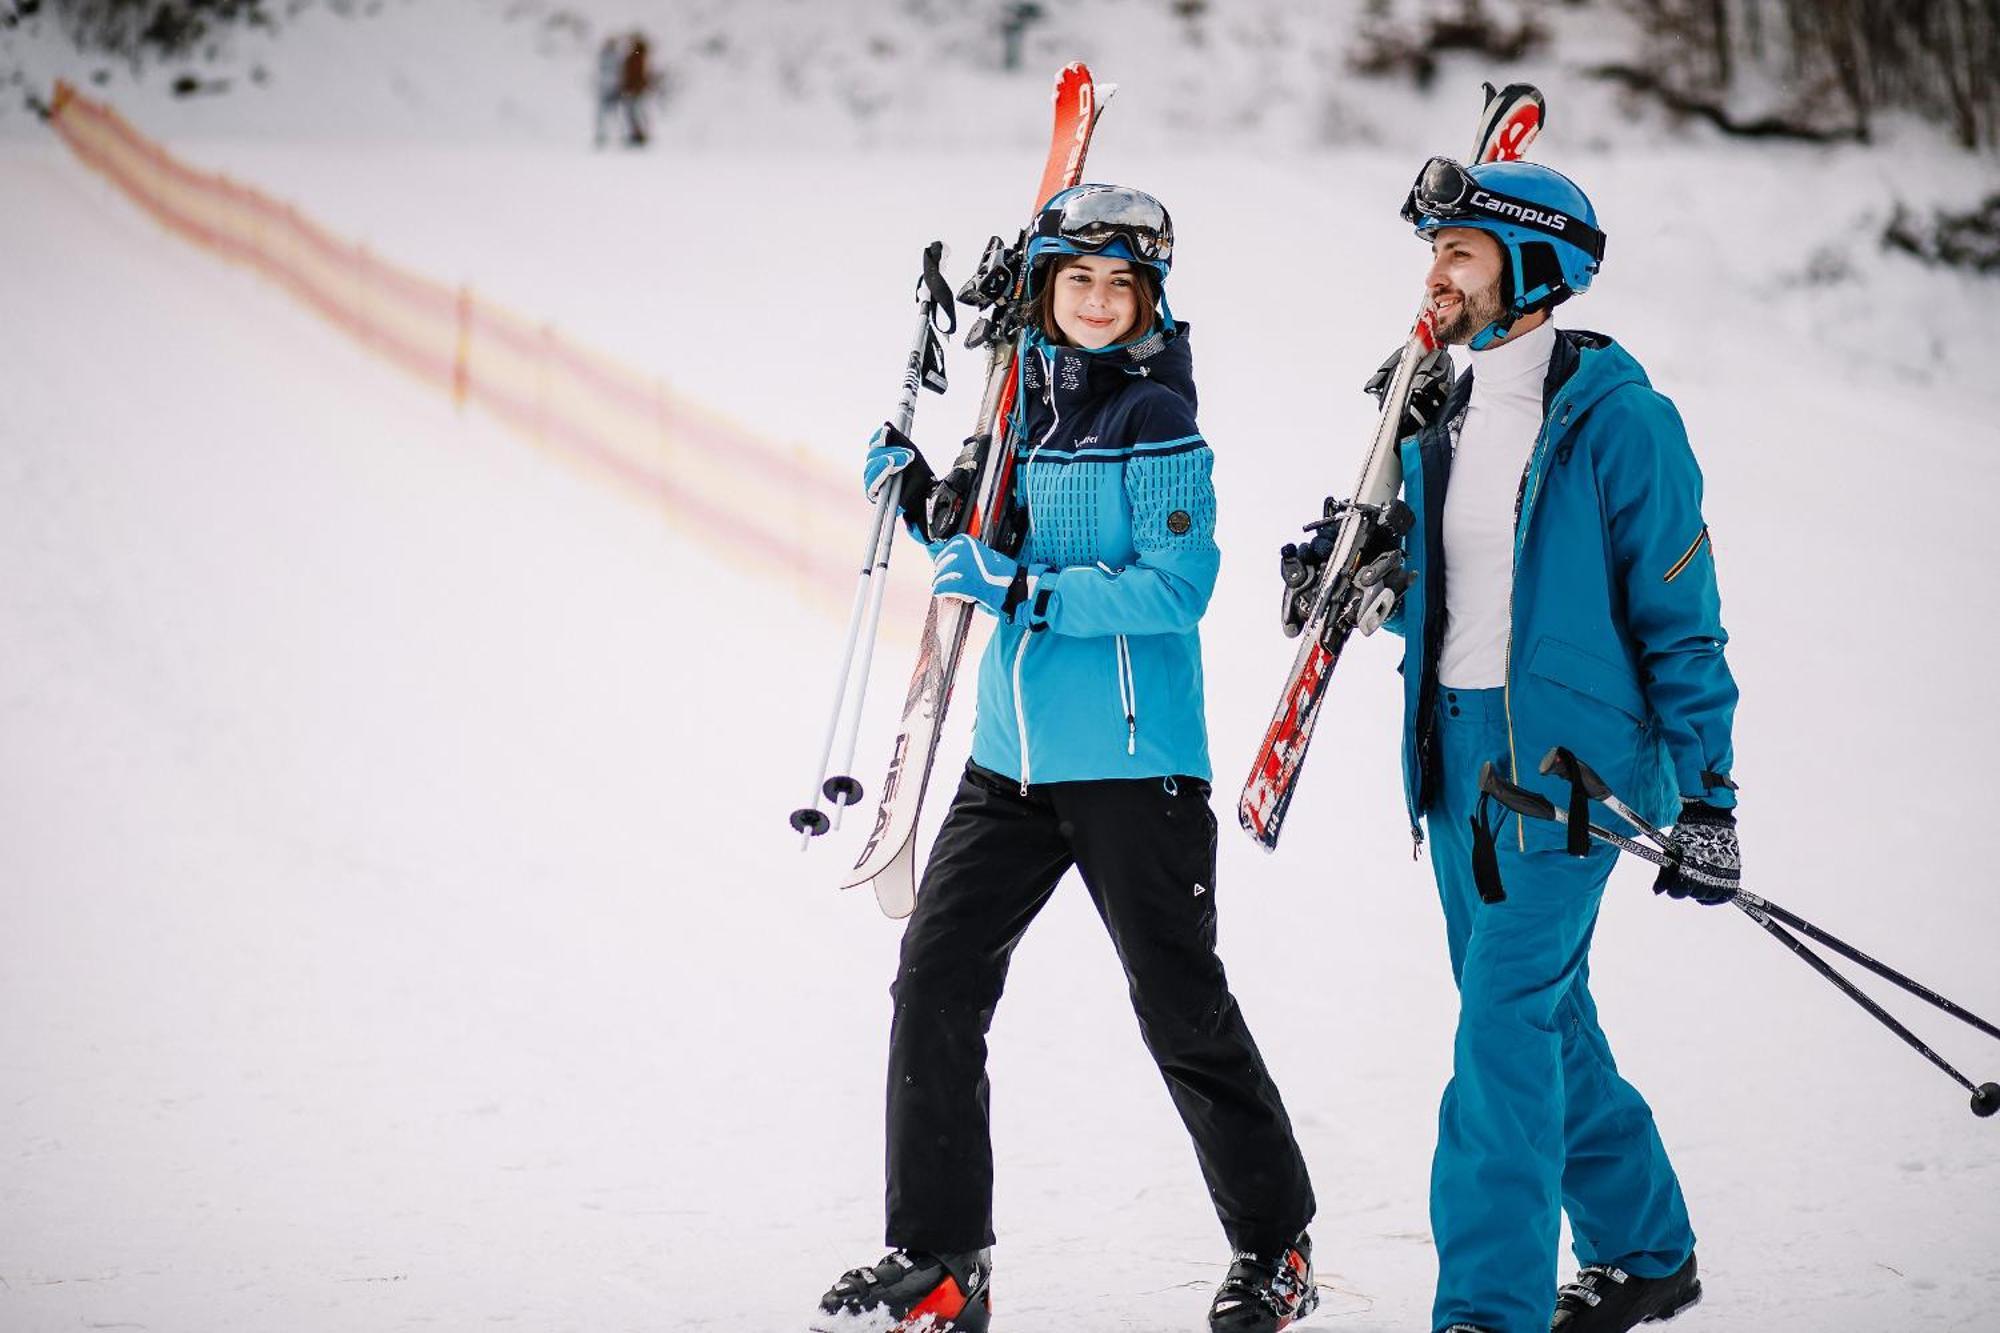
(1564,595)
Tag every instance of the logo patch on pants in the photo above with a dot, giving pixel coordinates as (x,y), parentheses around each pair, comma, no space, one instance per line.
(1179,522)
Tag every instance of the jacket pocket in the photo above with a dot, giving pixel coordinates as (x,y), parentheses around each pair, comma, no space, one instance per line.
(1587,674)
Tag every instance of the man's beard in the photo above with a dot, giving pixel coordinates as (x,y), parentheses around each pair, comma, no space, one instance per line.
(1475,311)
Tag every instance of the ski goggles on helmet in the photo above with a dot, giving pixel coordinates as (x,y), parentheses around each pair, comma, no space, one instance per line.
(1446,193)
(1091,220)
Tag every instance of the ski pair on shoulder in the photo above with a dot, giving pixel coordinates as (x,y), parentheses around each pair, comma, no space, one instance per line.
(1347,577)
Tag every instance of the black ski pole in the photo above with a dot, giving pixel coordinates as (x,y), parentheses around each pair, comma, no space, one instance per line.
(1985,1096)
(1883,970)
(1562,763)
(1533,805)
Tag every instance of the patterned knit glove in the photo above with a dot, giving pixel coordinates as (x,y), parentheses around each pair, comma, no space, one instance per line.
(1711,865)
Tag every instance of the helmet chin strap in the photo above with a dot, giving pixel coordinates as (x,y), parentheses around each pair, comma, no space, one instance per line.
(1494,332)
(1511,308)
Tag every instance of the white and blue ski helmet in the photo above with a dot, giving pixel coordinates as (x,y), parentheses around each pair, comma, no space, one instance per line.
(1110,220)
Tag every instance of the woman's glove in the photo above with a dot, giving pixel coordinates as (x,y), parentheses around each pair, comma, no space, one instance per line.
(969,570)
(889,452)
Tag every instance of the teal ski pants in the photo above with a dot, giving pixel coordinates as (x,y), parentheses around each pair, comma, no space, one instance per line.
(1536,1121)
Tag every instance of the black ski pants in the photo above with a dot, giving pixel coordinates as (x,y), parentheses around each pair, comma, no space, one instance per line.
(1145,849)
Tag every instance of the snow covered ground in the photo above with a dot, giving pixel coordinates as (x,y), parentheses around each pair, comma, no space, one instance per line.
(402,929)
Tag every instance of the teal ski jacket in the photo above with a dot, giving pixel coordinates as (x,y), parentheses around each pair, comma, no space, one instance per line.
(1615,645)
(1098,675)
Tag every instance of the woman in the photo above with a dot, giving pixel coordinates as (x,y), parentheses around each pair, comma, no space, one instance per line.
(1089,750)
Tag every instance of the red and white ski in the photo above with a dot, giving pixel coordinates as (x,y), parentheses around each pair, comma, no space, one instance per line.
(888,860)
(1508,123)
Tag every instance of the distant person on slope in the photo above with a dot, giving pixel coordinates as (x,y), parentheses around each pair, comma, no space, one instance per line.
(1090,750)
(635,80)
(1565,595)
(610,78)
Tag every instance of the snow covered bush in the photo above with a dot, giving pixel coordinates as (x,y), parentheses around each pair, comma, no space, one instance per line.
(1968,240)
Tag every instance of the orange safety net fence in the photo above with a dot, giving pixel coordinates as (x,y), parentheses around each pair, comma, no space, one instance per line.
(798,518)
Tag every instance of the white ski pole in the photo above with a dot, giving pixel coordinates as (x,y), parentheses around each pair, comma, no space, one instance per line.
(923,369)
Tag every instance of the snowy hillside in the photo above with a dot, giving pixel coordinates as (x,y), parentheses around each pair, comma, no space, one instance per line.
(402,926)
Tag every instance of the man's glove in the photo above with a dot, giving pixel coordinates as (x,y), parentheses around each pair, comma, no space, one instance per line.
(969,570)
(1299,565)
(1378,582)
(1429,390)
(891,453)
(1711,866)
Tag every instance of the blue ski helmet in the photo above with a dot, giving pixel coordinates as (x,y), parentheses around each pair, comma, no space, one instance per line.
(1546,227)
(1108,220)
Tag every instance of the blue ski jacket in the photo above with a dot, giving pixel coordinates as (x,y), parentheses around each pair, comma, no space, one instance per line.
(1099,673)
(1615,644)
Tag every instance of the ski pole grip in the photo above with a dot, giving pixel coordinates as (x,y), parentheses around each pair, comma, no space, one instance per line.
(1562,762)
(1559,762)
(934,290)
(1528,804)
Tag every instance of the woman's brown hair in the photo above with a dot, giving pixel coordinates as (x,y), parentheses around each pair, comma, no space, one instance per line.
(1042,311)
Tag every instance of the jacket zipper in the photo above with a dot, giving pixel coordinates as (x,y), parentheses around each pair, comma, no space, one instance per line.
(1128,695)
(1421,630)
(1020,709)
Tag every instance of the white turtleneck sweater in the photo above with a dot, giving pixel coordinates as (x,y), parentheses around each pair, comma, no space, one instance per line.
(1502,421)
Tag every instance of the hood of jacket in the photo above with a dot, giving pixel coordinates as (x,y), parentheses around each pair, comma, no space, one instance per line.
(1584,368)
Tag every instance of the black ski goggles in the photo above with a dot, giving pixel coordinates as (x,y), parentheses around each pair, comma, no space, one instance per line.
(1092,220)
(1445,192)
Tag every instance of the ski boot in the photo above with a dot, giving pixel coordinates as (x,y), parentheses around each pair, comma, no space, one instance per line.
(1604,1299)
(911,1291)
(1263,1295)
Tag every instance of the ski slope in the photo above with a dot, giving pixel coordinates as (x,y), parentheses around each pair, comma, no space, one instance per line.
(402,926)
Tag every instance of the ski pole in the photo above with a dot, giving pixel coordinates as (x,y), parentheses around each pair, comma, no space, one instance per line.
(843,788)
(1985,1096)
(1562,763)
(809,820)
(923,369)
(1533,805)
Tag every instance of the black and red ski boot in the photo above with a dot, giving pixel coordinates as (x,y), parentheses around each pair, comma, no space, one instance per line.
(1604,1299)
(1263,1294)
(911,1291)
